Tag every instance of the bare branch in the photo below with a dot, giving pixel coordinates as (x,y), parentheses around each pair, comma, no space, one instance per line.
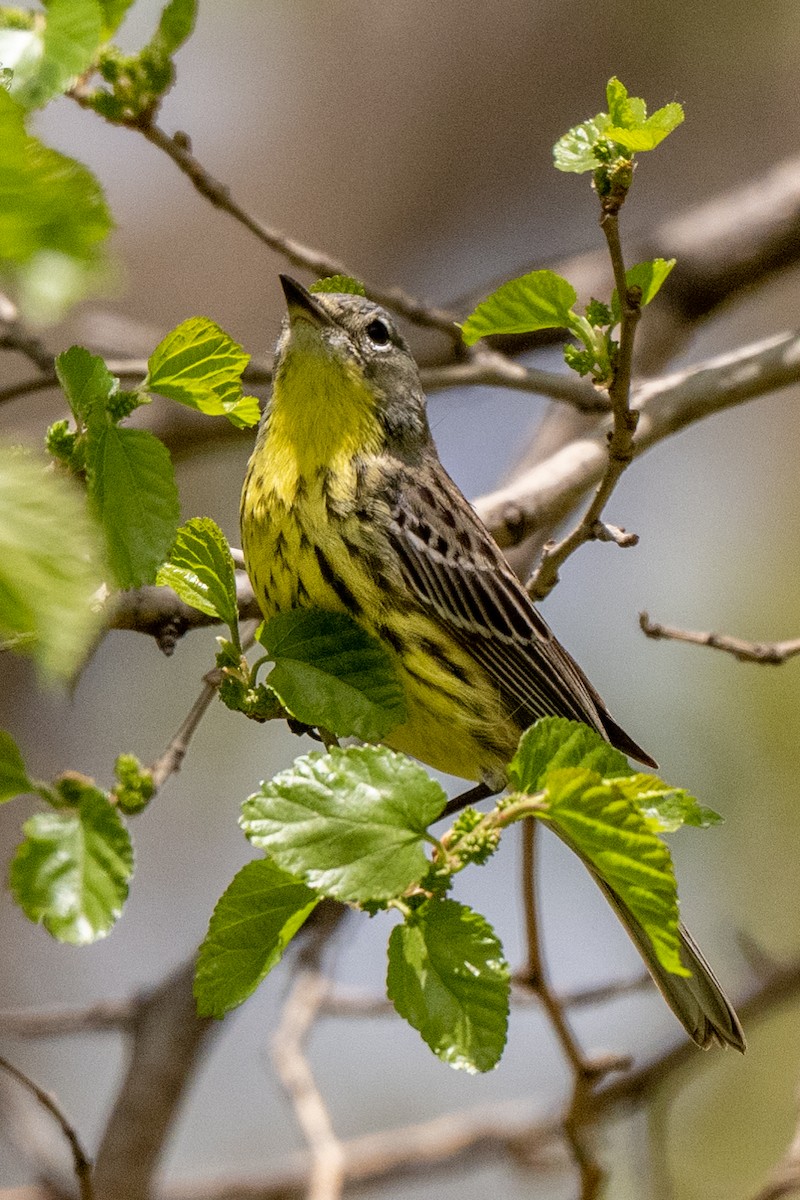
(774,653)
(167,1043)
(57,1022)
(300,1011)
(80,1160)
(488,368)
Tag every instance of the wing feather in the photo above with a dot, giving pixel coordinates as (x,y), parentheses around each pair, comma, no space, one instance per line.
(460,576)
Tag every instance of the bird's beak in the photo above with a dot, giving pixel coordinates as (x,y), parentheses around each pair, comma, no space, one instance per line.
(301,304)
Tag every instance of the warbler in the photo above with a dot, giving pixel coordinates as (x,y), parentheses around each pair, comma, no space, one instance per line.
(347,507)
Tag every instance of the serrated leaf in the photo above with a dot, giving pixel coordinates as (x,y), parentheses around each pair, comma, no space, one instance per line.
(256,917)
(651,133)
(14,779)
(627,112)
(448,978)
(52,217)
(50,556)
(553,743)
(87,382)
(132,486)
(667,807)
(575,150)
(649,276)
(339,284)
(201,570)
(199,365)
(329,672)
(538,300)
(71,872)
(55,54)
(607,830)
(350,823)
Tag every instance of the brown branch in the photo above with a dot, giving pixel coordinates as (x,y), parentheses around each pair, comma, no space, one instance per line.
(167,1042)
(725,247)
(774,653)
(80,1160)
(303,1006)
(108,1015)
(586,1074)
(547,492)
(623,421)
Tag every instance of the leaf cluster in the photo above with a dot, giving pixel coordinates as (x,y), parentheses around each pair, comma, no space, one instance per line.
(54,217)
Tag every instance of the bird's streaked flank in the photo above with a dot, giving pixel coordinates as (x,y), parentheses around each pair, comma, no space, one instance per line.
(346,506)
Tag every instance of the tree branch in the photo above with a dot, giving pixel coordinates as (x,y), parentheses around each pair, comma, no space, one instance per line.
(774,653)
(547,492)
(80,1160)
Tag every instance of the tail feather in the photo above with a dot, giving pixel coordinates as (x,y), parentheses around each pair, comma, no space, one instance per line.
(697,1000)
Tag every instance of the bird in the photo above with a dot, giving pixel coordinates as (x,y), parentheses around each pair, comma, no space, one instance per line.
(346,506)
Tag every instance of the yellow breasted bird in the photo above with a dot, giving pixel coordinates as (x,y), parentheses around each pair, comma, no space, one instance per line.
(346,507)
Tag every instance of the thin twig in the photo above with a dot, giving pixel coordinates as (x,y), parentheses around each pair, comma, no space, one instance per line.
(491,369)
(774,653)
(583,1073)
(326,1179)
(108,1015)
(623,424)
(81,1162)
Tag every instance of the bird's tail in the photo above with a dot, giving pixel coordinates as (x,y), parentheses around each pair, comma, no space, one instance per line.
(697,1000)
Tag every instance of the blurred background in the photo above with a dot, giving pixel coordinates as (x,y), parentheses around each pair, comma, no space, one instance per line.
(413,141)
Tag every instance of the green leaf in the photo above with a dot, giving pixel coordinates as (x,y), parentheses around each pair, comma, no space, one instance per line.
(329,672)
(52,218)
(47,59)
(255,919)
(71,872)
(607,830)
(201,366)
(87,383)
(651,133)
(350,822)
(649,276)
(201,570)
(668,808)
(113,13)
(556,742)
(14,779)
(132,486)
(539,300)
(339,284)
(448,978)
(176,23)
(50,555)
(575,151)
(628,112)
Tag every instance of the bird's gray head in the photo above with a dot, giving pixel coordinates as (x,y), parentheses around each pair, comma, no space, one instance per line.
(334,347)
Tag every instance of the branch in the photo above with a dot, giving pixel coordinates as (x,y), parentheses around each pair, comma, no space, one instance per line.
(774,653)
(80,1160)
(623,422)
(167,1042)
(725,247)
(108,1015)
(300,1011)
(547,492)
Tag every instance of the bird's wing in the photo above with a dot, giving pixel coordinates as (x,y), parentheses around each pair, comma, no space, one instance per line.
(454,568)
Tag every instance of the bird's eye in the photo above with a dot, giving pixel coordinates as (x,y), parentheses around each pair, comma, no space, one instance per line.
(378,333)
